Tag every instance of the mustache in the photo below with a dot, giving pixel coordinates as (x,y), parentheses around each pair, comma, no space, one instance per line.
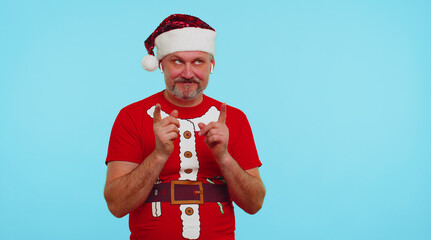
(187,80)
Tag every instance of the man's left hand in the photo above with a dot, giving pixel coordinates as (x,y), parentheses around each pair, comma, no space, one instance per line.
(217,135)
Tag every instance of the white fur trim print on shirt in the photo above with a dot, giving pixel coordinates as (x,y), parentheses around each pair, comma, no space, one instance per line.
(189,165)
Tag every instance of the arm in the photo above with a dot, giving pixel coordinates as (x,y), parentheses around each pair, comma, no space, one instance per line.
(245,187)
(128,184)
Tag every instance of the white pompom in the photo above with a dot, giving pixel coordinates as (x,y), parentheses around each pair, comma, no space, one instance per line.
(150,63)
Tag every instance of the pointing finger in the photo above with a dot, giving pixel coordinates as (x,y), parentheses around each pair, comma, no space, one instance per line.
(222,117)
(157,115)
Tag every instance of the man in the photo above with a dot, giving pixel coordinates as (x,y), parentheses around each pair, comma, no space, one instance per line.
(177,159)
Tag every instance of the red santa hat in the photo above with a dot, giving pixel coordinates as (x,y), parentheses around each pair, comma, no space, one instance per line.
(178,32)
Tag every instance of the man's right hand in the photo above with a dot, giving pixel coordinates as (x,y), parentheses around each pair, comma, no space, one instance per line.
(165,131)
(127,183)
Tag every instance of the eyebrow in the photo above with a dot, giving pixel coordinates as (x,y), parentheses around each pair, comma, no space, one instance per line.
(174,56)
(200,58)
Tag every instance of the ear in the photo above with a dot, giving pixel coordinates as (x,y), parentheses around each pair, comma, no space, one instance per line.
(212,65)
(161,67)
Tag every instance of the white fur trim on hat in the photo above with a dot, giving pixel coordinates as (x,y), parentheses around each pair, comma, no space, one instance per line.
(185,39)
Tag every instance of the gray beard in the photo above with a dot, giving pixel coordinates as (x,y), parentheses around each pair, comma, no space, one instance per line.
(189,95)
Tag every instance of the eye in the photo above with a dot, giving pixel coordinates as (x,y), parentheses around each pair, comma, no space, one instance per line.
(198,62)
(177,61)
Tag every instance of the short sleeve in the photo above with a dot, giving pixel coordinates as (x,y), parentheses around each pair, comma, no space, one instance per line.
(124,143)
(241,141)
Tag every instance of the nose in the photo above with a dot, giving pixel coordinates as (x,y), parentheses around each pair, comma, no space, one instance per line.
(187,71)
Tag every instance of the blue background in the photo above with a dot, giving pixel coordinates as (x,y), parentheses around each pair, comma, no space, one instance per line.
(337,93)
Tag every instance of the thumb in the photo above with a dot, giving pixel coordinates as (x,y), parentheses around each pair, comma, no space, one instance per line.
(202,131)
(174,113)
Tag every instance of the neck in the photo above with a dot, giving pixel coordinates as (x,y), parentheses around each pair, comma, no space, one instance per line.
(183,102)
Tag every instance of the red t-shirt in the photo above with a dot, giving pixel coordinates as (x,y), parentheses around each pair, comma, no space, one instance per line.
(132,139)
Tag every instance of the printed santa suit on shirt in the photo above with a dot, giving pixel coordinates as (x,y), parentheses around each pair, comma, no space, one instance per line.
(132,139)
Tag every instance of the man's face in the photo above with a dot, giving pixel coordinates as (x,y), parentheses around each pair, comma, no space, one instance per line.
(187,73)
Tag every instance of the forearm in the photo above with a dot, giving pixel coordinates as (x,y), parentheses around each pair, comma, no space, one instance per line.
(126,193)
(247,191)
